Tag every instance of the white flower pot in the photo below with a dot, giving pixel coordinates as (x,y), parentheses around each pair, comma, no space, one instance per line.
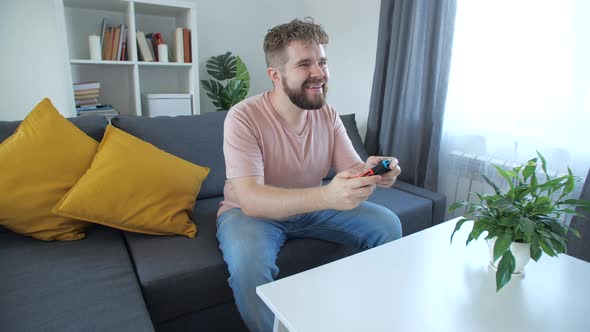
(520,251)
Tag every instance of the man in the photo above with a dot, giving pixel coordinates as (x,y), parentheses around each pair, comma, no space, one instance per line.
(278,146)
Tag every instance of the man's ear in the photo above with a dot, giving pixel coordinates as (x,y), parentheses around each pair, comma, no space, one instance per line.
(273,74)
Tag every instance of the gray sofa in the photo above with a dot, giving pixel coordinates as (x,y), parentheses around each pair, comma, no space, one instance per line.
(121,281)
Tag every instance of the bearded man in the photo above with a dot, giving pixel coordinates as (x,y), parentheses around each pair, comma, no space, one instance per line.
(278,146)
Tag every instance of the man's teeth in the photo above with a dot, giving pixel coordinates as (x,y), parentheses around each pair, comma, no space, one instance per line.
(314,86)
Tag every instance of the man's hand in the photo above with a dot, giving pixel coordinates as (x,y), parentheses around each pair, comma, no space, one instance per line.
(387,179)
(346,191)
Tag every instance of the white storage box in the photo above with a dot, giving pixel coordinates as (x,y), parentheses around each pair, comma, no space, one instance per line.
(170,104)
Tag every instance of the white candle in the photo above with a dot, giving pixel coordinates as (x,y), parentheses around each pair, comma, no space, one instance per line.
(95,49)
(162,53)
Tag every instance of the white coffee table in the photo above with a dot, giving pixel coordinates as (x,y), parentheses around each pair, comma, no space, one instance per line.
(422,283)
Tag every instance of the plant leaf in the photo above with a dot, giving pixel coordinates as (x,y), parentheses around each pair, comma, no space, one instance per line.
(577,202)
(528,227)
(457,227)
(536,251)
(576,233)
(506,175)
(491,183)
(457,205)
(569,184)
(214,89)
(534,184)
(475,233)
(242,74)
(233,93)
(222,67)
(506,267)
(543,165)
(502,244)
(530,168)
(546,246)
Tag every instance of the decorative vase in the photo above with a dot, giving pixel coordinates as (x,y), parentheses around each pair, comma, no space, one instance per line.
(520,251)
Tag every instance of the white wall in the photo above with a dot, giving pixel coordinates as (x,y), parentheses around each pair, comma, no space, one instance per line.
(239,27)
(34,61)
(352,26)
(32,58)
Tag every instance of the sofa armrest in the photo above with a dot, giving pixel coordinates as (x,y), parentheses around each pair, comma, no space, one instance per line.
(439,201)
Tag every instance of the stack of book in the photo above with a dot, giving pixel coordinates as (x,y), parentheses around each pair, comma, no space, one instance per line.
(100,109)
(86,93)
(114,42)
(86,97)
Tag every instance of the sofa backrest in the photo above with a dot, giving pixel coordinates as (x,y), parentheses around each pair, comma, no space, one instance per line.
(92,125)
(349,122)
(195,138)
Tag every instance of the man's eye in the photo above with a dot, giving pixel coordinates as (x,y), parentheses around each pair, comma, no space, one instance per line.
(304,65)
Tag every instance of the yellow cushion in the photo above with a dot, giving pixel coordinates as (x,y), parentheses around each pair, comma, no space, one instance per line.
(134,186)
(39,163)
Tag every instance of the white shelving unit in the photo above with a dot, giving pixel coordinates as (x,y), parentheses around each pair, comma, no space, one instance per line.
(123,83)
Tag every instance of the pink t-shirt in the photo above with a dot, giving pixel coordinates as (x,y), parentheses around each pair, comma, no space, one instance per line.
(257,142)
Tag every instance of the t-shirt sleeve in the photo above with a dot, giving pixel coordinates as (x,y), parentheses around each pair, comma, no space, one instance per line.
(243,156)
(345,156)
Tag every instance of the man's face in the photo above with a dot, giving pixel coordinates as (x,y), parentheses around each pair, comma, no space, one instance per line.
(304,76)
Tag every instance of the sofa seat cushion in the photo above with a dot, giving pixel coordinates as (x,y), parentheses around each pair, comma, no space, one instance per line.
(415,212)
(86,285)
(179,275)
(197,138)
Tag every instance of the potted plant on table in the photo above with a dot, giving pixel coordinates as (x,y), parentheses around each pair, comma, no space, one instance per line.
(528,218)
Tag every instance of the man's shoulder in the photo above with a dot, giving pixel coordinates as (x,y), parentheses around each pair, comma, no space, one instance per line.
(250,106)
(250,113)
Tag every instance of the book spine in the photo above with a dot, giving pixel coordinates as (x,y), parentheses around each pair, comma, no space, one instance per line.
(102,31)
(120,44)
(186,45)
(178,43)
(116,38)
(106,45)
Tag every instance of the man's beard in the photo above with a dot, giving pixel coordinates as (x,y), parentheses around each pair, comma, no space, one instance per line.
(299,98)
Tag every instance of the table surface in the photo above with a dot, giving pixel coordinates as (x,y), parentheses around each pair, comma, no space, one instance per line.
(423,283)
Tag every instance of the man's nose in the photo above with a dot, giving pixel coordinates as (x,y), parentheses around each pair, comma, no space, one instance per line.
(317,71)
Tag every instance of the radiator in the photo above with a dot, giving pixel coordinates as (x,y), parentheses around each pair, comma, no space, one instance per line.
(461,178)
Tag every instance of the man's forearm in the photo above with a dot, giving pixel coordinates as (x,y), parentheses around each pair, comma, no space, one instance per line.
(279,203)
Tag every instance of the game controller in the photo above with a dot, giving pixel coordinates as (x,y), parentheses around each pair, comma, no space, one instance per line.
(380,168)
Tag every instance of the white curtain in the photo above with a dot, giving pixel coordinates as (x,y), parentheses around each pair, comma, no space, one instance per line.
(519,82)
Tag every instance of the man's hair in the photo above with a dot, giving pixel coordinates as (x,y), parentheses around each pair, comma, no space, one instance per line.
(278,38)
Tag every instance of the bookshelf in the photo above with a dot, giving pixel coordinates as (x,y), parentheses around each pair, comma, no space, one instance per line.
(123,83)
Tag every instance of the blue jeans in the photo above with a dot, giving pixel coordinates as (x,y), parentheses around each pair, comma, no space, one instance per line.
(250,247)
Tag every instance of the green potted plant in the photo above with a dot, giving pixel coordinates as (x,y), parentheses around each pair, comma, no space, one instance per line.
(529,215)
(230,68)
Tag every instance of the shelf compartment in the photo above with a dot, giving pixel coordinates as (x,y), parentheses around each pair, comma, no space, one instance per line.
(164,79)
(111,79)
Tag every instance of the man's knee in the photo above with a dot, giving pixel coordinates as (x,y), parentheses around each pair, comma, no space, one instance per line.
(393,226)
(249,247)
(388,225)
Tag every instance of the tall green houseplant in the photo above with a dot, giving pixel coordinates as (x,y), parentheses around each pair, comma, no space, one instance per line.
(231,70)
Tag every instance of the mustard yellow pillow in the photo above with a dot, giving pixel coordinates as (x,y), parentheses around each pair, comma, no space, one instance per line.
(134,186)
(39,163)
